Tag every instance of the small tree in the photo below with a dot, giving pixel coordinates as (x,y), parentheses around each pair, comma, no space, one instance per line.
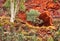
(14,7)
(12,11)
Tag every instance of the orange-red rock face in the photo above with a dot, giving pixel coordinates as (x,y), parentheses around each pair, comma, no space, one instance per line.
(47,19)
(42,6)
(22,16)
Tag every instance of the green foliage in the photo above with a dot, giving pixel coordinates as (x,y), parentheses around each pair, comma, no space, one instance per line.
(20,37)
(40,39)
(34,38)
(14,3)
(1,33)
(0,25)
(50,38)
(7,4)
(22,6)
(32,15)
(54,0)
(57,34)
(22,1)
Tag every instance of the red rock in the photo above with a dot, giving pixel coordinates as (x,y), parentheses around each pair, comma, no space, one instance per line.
(46,17)
(22,16)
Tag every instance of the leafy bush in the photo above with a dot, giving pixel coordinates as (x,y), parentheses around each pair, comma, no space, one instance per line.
(32,15)
(22,6)
(7,4)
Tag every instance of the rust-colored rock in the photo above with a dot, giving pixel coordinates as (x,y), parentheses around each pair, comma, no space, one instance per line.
(42,6)
(22,16)
(46,17)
